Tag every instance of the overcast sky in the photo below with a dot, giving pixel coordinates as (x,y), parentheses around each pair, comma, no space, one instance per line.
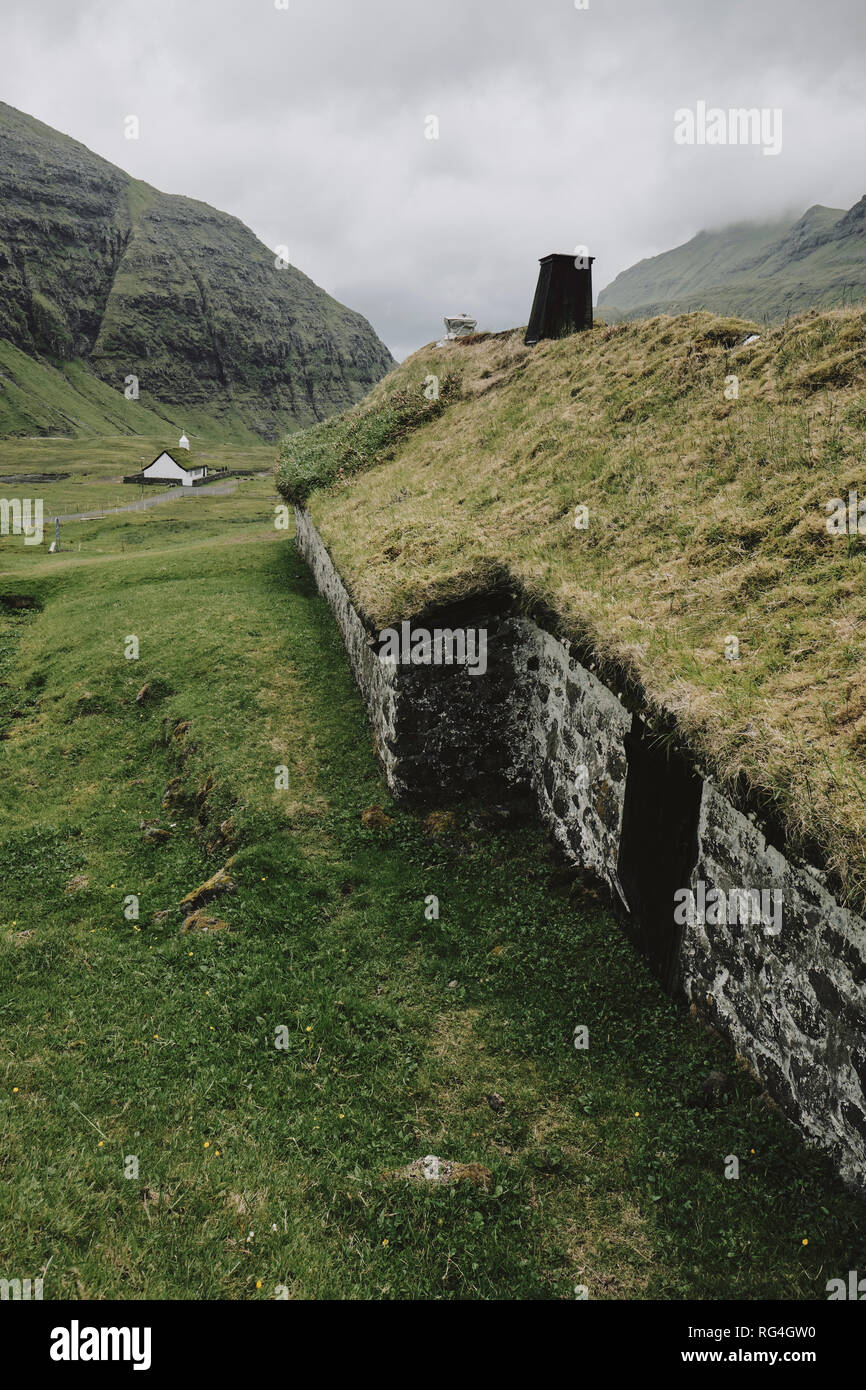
(556,127)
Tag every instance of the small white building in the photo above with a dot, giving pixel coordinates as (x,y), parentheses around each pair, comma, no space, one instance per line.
(166,467)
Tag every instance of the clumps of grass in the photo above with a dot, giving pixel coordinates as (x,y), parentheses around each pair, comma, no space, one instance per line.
(842,369)
(359,439)
(722,332)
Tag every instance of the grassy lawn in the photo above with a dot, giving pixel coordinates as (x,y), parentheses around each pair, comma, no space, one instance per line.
(89,472)
(259,1168)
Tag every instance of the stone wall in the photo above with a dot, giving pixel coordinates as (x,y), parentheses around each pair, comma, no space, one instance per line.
(792,1002)
(377,683)
(572,730)
(636,813)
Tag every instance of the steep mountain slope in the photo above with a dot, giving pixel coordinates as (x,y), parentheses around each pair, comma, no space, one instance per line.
(758,271)
(100,268)
(37,398)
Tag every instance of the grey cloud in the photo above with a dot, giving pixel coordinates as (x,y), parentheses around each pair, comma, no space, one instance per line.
(555,127)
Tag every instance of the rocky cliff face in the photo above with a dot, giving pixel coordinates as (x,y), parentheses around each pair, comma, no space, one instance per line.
(100,267)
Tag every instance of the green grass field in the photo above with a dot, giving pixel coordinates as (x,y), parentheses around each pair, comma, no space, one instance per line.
(89,472)
(258,1169)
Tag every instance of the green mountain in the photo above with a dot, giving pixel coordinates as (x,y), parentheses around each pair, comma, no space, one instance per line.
(103,277)
(758,271)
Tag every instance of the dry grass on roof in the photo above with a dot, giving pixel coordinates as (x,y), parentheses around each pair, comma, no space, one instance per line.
(707,520)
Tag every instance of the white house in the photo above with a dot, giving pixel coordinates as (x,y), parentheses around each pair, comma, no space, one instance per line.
(167,467)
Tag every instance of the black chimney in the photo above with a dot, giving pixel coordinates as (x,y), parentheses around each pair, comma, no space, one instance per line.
(563,298)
